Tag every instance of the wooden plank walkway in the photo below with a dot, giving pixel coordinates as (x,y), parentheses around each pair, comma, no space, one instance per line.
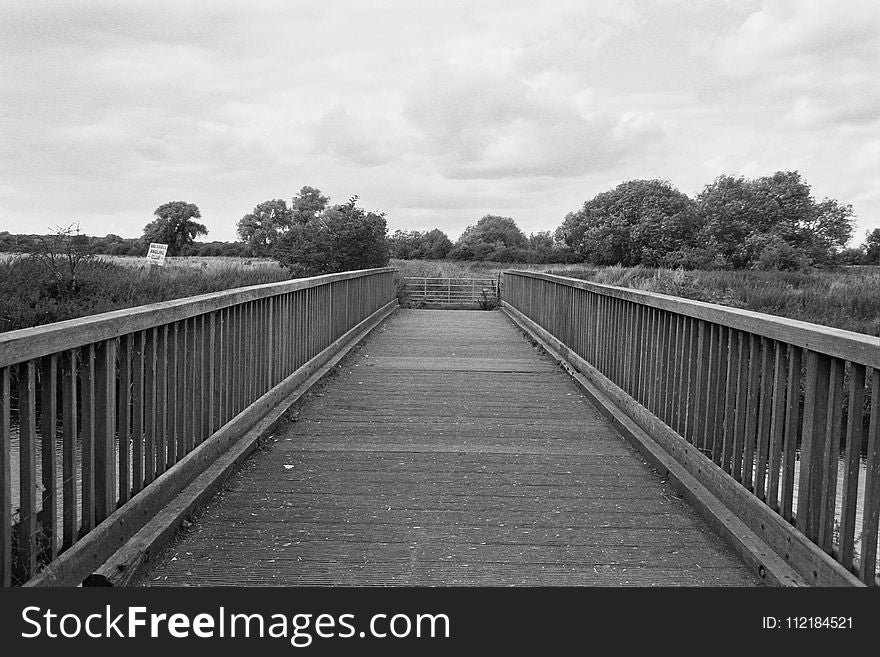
(448,451)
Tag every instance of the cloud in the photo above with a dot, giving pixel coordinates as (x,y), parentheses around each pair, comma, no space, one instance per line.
(814,60)
(355,139)
(439,112)
(803,33)
(495,124)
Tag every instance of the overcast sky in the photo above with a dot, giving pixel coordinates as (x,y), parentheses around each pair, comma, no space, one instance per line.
(434,112)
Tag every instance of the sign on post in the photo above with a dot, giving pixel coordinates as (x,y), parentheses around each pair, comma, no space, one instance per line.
(156,254)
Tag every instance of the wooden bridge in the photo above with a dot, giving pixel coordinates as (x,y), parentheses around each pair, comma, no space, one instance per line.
(584,435)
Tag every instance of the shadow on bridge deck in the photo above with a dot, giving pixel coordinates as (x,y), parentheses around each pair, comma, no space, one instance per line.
(448,451)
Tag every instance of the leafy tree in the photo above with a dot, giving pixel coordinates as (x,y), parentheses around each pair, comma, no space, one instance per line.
(852,256)
(262,228)
(413,244)
(646,222)
(307,205)
(341,238)
(436,245)
(491,238)
(872,247)
(174,226)
(744,217)
(404,244)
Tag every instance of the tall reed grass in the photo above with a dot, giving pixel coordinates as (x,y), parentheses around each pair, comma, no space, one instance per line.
(29,296)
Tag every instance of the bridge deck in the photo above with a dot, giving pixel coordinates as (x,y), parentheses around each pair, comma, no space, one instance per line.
(448,451)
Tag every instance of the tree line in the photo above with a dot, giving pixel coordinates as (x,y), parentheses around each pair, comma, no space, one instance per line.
(771,222)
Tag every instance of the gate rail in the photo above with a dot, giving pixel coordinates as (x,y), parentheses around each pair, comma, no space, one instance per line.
(446,292)
(784,415)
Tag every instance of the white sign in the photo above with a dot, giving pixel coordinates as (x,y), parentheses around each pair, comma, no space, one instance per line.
(156,254)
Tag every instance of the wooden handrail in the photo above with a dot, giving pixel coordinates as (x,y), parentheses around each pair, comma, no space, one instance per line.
(839,343)
(25,344)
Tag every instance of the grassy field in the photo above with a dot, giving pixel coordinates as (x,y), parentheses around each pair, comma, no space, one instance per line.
(848,298)
(29,297)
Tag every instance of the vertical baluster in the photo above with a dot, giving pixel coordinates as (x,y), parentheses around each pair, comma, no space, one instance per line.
(777,425)
(27,437)
(830,456)
(617,338)
(48,517)
(189,364)
(672,353)
(792,424)
(239,368)
(643,368)
(137,412)
(653,360)
(636,367)
(247,359)
(152,381)
(660,370)
(750,430)
(701,418)
(230,331)
(868,558)
(164,414)
(87,437)
(286,332)
(680,382)
(69,461)
(105,429)
(739,414)
(854,431)
(172,398)
(5,478)
(734,365)
(274,348)
(122,413)
(764,417)
(215,372)
(695,360)
(181,397)
(201,405)
(672,374)
(628,345)
(255,344)
(719,393)
(813,443)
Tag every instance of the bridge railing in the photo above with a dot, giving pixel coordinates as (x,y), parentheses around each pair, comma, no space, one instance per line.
(103,419)
(787,411)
